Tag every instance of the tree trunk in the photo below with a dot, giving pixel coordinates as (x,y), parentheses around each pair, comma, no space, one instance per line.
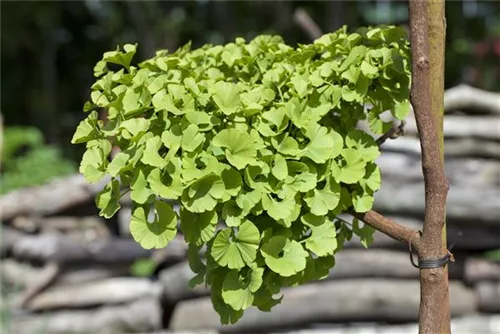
(437,40)
(427,29)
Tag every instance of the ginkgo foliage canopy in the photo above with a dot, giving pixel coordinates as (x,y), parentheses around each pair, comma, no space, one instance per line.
(257,144)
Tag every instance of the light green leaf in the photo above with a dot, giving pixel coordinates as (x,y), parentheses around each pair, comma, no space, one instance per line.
(118,163)
(232,181)
(172,138)
(378,126)
(251,101)
(167,183)
(365,233)
(357,53)
(131,100)
(200,119)
(354,170)
(232,214)
(198,228)
(135,126)
(289,146)
(158,83)
(121,58)
(159,232)
(94,161)
(280,168)
(317,268)
(247,200)
(276,116)
(240,148)
(323,239)
(372,177)
(238,292)
(401,110)
(191,84)
(294,109)
(194,260)
(352,74)
(263,298)
(151,156)
(196,167)
(203,194)
(278,209)
(100,69)
(322,201)
(191,138)
(236,251)
(227,314)
(161,101)
(364,144)
(227,97)
(301,178)
(140,192)
(368,69)
(350,95)
(324,145)
(107,199)
(86,130)
(99,98)
(362,201)
(300,83)
(311,220)
(283,256)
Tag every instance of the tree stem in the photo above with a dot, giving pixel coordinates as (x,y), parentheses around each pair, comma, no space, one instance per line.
(390,228)
(426,34)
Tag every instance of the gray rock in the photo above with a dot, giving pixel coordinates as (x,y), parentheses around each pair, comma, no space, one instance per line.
(143,315)
(330,301)
(108,291)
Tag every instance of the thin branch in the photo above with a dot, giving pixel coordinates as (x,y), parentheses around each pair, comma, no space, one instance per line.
(395,132)
(305,21)
(390,228)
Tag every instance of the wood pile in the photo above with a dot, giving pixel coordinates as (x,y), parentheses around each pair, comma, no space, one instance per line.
(68,271)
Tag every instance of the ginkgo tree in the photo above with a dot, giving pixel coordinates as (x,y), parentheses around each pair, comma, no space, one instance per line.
(256,144)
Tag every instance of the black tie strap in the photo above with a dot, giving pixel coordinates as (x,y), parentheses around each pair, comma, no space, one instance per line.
(435,263)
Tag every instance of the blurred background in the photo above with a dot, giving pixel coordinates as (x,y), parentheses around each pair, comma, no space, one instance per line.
(64,270)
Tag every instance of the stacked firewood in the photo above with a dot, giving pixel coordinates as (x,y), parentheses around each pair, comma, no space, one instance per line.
(65,270)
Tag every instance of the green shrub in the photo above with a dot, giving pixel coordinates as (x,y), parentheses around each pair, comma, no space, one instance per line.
(35,165)
(260,136)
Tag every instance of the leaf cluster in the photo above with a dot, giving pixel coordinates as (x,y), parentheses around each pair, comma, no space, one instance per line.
(257,142)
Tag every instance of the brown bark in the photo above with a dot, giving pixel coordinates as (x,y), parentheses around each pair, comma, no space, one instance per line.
(396,131)
(391,228)
(426,33)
